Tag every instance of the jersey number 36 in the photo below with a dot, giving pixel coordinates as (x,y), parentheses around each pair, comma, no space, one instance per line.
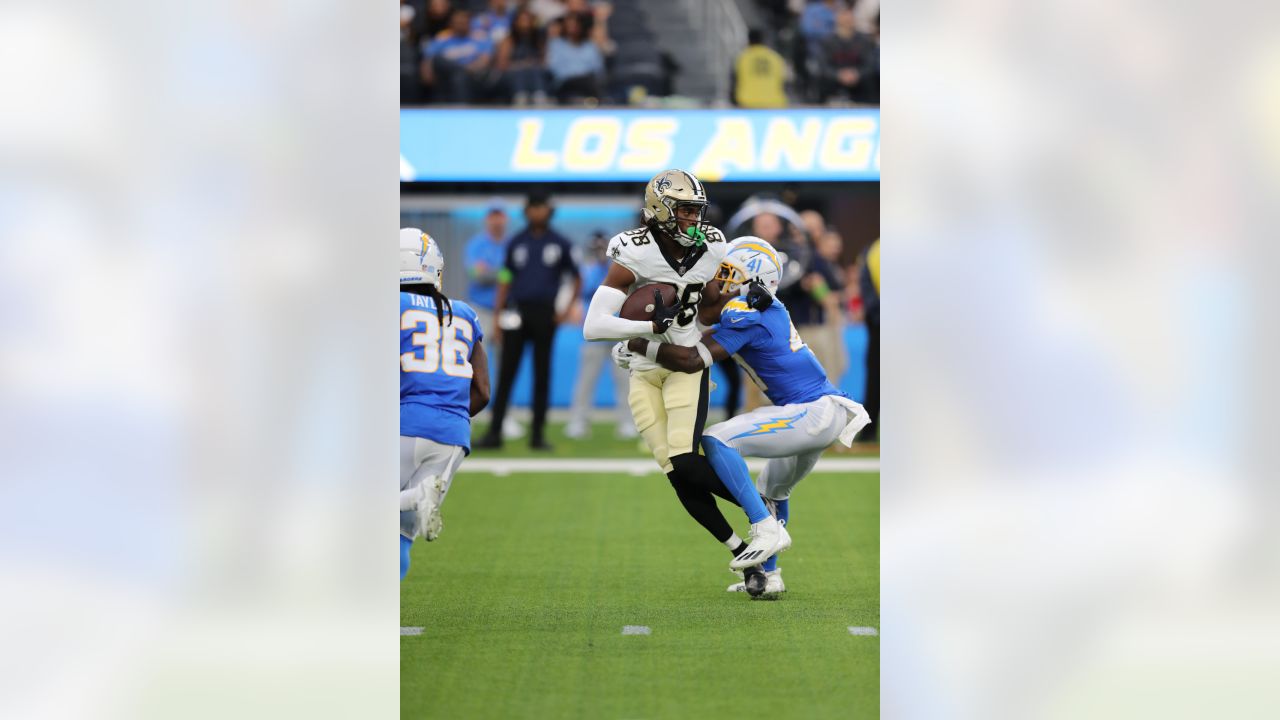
(449,351)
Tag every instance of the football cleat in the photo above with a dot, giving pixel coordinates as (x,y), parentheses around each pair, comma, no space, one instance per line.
(768,538)
(773,585)
(576,431)
(434,525)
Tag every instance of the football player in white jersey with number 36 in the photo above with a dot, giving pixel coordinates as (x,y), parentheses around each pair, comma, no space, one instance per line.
(675,246)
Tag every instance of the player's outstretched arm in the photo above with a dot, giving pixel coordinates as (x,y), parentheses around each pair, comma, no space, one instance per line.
(602,321)
(479,378)
(678,357)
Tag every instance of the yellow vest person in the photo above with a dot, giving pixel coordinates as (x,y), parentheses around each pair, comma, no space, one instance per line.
(761,74)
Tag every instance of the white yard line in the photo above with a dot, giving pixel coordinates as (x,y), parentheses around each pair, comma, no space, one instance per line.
(636,467)
(635,629)
(855,630)
(410,631)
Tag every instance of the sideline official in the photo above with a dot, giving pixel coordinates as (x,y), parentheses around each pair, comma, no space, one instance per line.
(537,260)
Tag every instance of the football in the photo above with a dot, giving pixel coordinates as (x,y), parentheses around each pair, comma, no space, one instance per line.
(639,304)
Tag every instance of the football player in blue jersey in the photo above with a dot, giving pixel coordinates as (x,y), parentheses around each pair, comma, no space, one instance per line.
(444,382)
(808,412)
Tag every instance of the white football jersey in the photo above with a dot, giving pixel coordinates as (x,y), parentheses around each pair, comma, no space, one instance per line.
(639,252)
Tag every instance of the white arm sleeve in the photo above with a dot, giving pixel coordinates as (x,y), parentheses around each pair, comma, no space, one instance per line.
(602,321)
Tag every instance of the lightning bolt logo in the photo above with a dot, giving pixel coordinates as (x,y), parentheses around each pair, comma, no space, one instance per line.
(771,426)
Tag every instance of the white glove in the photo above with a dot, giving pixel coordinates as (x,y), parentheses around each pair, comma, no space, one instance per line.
(622,357)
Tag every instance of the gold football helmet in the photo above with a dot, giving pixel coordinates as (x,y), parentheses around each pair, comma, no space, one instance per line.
(669,190)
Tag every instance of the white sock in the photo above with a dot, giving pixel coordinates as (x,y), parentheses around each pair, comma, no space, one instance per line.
(733,542)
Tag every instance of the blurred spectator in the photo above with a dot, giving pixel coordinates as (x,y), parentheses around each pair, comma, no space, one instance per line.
(576,63)
(867,13)
(522,60)
(411,90)
(486,252)
(435,20)
(493,24)
(869,282)
(760,75)
(595,355)
(536,261)
(817,23)
(830,246)
(547,11)
(850,64)
(457,64)
(814,225)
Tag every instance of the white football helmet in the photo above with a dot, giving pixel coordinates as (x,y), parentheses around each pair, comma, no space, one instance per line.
(421,261)
(749,258)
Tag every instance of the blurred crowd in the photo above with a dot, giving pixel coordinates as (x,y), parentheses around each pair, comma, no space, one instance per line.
(815,52)
(588,52)
(519,282)
(532,52)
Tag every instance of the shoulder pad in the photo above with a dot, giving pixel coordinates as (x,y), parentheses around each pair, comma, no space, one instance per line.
(462,309)
(714,235)
(623,246)
(736,314)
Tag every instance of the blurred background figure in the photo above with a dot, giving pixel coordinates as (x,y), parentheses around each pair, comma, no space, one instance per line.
(458,63)
(522,59)
(760,75)
(485,254)
(869,282)
(576,62)
(537,261)
(595,355)
(411,90)
(493,23)
(814,297)
(849,63)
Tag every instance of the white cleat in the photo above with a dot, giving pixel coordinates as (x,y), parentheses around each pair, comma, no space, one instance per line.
(512,429)
(429,519)
(434,525)
(576,431)
(768,538)
(423,500)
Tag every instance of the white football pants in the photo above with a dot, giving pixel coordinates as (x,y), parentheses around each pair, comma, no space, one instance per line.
(421,458)
(792,437)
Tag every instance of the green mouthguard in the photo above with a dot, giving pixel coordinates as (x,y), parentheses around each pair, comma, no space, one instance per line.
(696,233)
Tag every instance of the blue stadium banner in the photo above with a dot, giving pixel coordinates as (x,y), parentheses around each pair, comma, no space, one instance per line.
(603,145)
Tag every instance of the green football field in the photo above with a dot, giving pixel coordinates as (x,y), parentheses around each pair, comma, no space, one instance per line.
(522,602)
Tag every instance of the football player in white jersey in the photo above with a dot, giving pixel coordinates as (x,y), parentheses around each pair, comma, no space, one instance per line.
(808,412)
(675,246)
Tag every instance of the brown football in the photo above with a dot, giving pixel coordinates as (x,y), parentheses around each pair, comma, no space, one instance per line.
(639,304)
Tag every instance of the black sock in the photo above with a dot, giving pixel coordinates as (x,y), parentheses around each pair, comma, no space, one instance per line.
(742,546)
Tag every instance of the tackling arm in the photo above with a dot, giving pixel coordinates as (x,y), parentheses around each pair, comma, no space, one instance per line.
(602,321)
(479,378)
(678,357)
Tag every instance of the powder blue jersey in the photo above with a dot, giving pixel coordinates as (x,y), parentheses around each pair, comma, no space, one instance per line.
(768,347)
(435,370)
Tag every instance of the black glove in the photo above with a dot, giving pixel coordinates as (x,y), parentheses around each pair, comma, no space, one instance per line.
(663,315)
(758,298)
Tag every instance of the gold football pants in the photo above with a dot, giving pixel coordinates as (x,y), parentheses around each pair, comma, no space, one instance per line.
(670,410)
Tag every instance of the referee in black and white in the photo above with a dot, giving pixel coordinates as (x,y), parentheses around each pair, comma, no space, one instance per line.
(537,260)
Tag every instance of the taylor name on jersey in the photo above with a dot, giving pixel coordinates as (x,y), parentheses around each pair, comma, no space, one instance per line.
(637,251)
